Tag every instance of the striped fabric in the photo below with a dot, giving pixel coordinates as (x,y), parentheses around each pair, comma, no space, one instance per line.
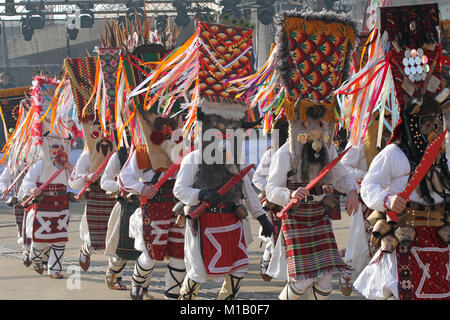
(310,244)
(18,215)
(125,246)
(98,209)
(51,219)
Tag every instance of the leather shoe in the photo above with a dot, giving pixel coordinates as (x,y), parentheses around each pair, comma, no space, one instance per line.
(57,275)
(87,262)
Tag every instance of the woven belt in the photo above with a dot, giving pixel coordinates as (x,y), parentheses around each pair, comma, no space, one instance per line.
(54,193)
(422,218)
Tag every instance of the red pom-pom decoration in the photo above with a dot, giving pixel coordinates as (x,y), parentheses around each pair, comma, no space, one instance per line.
(157,137)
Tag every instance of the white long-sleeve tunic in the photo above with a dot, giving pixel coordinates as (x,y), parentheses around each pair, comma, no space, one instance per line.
(5,179)
(354,161)
(39,173)
(108,181)
(388,175)
(259,179)
(80,171)
(278,193)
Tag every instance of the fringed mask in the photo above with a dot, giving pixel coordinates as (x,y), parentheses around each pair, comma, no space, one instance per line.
(228,132)
(312,140)
(423,123)
(56,150)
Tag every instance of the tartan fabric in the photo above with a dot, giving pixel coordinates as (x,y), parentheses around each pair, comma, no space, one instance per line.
(18,216)
(423,269)
(310,244)
(125,246)
(51,218)
(162,238)
(276,223)
(98,210)
(222,243)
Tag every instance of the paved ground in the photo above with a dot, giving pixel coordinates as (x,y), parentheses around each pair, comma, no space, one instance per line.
(19,282)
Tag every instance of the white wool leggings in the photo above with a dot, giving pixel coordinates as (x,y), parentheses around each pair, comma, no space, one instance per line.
(55,259)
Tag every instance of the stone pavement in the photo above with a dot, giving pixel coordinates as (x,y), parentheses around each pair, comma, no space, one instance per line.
(19,282)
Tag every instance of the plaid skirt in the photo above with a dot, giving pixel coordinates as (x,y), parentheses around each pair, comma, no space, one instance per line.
(311,248)
(98,210)
(125,246)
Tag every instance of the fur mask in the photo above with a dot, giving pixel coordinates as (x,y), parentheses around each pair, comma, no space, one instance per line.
(310,143)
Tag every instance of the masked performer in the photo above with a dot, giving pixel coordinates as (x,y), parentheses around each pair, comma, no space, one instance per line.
(98,146)
(156,236)
(308,78)
(215,242)
(259,179)
(412,262)
(50,207)
(152,225)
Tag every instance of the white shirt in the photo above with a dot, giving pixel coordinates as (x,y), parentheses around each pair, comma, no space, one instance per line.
(278,193)
(262,171)
(184,191)
(388,174)
(108,180)
(80,171)
(39,174)
(5,179)
(355,161)
(132,179)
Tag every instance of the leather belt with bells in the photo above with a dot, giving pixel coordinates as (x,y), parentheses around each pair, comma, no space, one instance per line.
(422,218)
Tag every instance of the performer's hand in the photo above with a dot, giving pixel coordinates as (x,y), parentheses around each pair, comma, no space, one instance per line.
(352,202)
(300,193)
(35,192)
(92,177)
(210,196)
(149,191)
(397,203)
(327,188)
(267,227)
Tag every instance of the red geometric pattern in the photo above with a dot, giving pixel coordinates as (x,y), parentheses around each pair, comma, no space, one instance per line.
(225,53)
(424,268)
(317,61)
(223,243)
